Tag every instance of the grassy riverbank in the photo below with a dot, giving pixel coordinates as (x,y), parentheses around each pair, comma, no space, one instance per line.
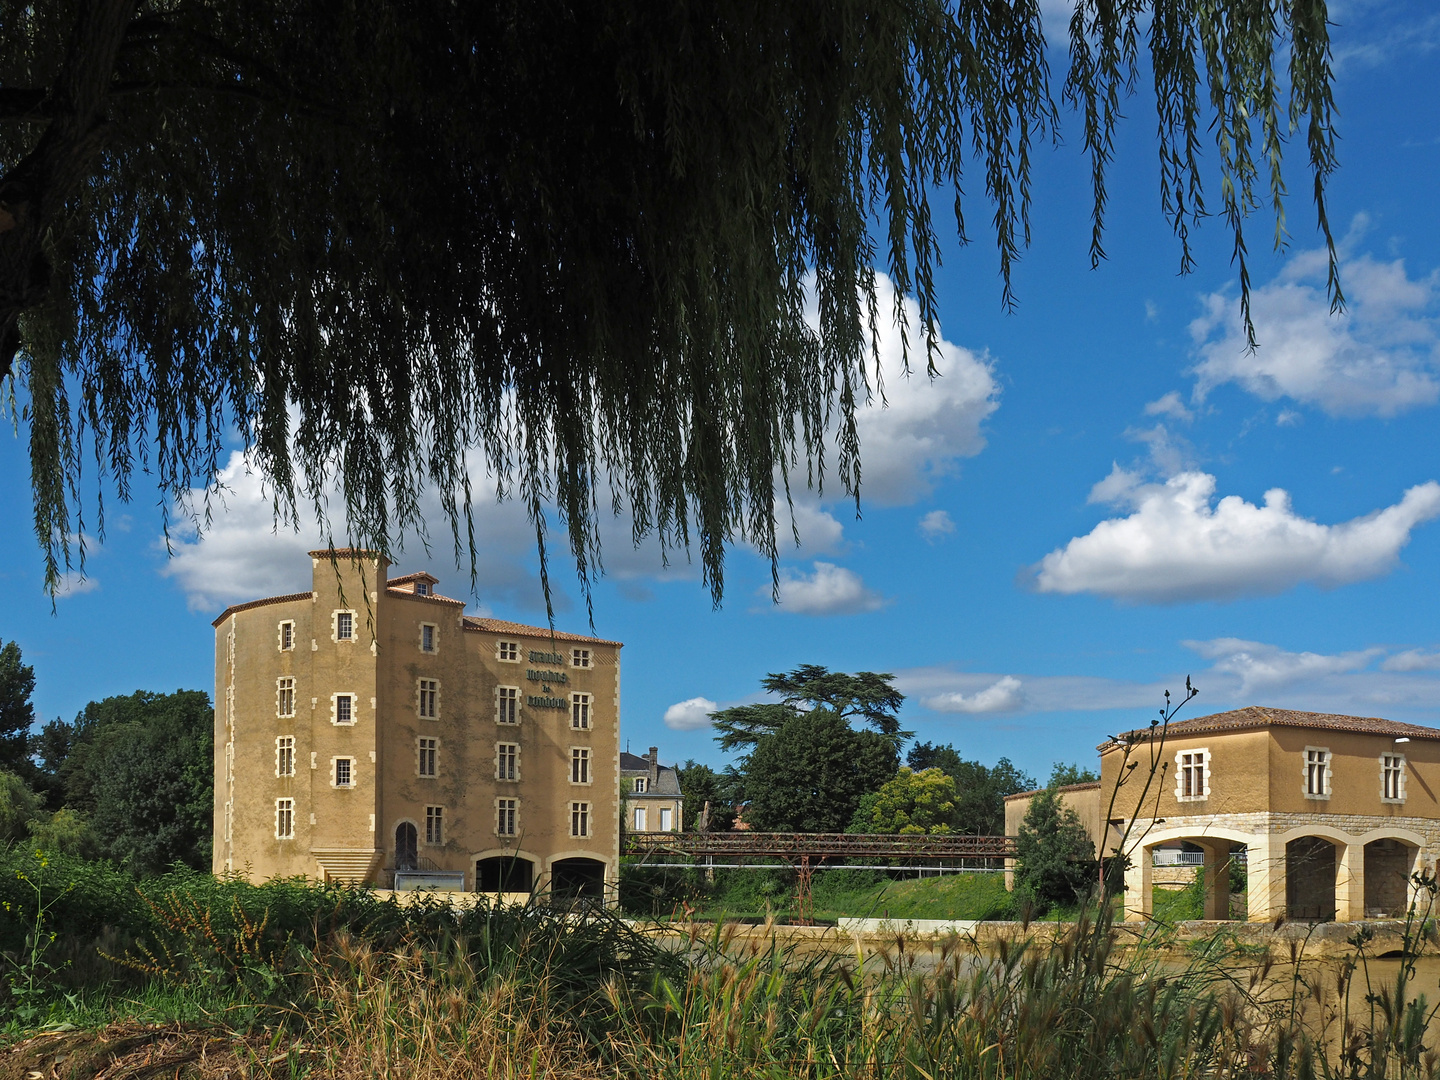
(186,976)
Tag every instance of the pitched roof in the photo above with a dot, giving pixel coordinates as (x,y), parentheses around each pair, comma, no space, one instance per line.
(501,626)
(1086,786)
(1259,716)
(287,598)
(633,762)
(390,590)
(419,575)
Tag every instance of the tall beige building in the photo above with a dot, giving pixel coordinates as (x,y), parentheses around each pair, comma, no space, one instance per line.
(370,731)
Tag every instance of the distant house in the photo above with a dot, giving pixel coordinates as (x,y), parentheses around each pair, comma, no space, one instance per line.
(653,802)
(1330,814)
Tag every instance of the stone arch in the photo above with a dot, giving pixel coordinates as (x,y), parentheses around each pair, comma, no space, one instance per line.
(508,870)
(406,836)
(1215,840)
(1312,873)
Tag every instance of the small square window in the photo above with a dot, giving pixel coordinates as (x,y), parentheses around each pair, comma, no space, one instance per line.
(344,772)
(579,819)
(285,755)
(580,711)
(287,636)
(505,814)
(344,708)
(579,765)
(507,705)
(509,651)
(429,752)
(422,588)
(427,637)
(579,657)
(285,697)
(507,761)
(430,698)
(284,819)
(344,626)
(434,825)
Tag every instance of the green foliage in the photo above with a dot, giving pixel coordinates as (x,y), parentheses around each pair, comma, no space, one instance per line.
(980,790)
(1054,856)
(867,696)
(140,768)
(910,803)
(700,785)
(17,683)
(575,238)
(19,808)
(810,775)
(66,832)
(1063,775)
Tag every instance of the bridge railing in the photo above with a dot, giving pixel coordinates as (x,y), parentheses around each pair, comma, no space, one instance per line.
(820,845)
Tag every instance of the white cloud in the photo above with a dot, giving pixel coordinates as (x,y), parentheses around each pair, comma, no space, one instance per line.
(924,426)
(829,590)
(1177,546)
(1004,695)
(1377,358)
(935,525)
(1118,488)
(243,554)
(690,715)
(1170,405)
(1262,667)
(1412,660)
(74,583)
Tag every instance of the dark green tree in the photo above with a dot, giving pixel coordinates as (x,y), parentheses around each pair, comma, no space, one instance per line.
(575,239)
(1054,856)
(140,768)
(1063,774)
(17,714)
(980,789)
(810,775)
(867,696)
(700,784)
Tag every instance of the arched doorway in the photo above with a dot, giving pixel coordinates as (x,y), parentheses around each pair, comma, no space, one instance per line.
(1387,878)
(1310,879)
(578,879)
(406,847)
(504,874)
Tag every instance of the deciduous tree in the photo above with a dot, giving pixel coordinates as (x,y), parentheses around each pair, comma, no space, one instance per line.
(1054,856)
(910,803)
(980,789)
(563,251)
(17,683)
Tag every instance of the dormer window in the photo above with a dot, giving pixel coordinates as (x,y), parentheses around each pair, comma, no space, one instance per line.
(422,588)
(640,782)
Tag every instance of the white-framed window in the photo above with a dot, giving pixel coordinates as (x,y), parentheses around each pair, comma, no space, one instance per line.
(342,709)
(639,819)
(639,787)
(579,657)
(580,711)
(1392,778)
(287,635)
(1192,775)
(285,697)
(344,625)
(284,819)
(422,588)
(667,818)
(579,819)
(434,825)
(1316,772)
(580,765)
(427,637)
(429,756)
(428,695)
(285,755)
(506,813)
(342,773)
(507,704)
(507,761)
(508,651)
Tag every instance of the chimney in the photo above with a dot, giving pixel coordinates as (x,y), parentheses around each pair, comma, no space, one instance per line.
(654,759)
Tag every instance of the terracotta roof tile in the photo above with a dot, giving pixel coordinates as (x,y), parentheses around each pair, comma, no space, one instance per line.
(1258,716)
(419,575)
(287,598)
(390,590)
(346,553)
(501,626)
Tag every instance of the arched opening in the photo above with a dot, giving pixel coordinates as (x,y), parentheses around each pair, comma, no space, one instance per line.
(578,879)
(1387,877)
(1310,879)
(504,874)
(406,847)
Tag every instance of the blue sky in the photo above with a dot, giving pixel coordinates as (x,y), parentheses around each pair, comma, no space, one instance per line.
(1104,493)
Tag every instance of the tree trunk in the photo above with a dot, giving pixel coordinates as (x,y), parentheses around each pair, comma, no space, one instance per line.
(33,193)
